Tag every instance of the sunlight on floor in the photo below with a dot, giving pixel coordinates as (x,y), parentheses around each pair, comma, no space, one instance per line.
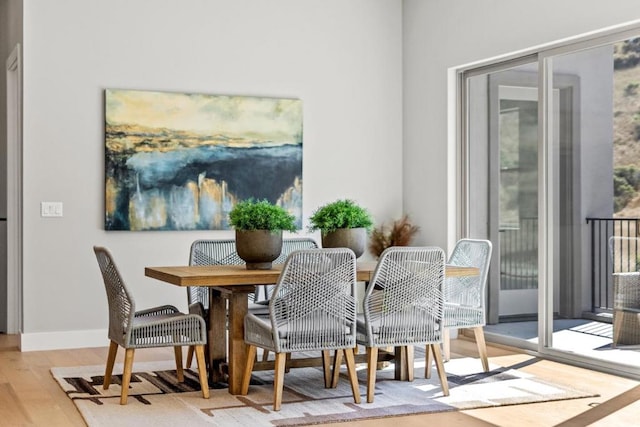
(577,336)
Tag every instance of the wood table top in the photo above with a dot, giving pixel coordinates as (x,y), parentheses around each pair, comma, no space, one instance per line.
(238,275)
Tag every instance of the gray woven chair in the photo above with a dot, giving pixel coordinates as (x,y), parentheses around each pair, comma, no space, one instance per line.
(209,252)
(403,307)
(313,308)
(161,326)
(223,252)
(625,257)
(288,246)
(464,297)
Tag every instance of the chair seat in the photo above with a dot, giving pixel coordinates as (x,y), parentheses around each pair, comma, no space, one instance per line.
(458,315)
(629,310)
(156,319)
(166,330)
(259,308)
(299,328)
(404,327)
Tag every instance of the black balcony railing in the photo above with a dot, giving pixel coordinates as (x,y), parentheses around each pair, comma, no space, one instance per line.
(602,264)
(519,255)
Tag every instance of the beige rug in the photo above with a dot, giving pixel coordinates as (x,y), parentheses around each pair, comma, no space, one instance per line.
(156,399)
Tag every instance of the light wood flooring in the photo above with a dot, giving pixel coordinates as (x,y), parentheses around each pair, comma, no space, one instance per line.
(29,396)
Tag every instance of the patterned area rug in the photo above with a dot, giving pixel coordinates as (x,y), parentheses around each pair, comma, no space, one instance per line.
(155,398)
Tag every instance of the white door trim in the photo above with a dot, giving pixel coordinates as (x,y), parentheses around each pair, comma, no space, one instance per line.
(14,191)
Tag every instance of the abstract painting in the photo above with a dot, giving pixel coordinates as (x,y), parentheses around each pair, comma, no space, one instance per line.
(177,161)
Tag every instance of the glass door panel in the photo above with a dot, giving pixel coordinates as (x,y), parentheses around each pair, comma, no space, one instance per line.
(503,128)
(595,169)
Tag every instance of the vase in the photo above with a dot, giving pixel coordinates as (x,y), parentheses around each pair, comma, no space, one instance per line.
(258,248)
(352,238)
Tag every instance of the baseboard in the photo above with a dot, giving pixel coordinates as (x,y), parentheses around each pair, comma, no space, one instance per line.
(39,341)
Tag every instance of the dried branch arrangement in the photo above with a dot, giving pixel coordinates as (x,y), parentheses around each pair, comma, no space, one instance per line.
(400,233)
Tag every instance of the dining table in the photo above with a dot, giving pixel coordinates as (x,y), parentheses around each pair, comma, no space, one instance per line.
(233,284)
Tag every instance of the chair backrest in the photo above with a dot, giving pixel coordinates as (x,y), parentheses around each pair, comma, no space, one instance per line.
(291,244)
(288,246)
(210,252)
(121,304)
(403,303)
(214,252)
(624,253)
(469,291)
(313,305)
(223,252)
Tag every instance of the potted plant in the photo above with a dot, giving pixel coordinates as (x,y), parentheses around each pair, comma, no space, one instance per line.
(259,225)
(343,224)
(400,233)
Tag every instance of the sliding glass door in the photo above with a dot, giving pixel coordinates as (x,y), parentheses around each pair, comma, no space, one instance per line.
(550,147)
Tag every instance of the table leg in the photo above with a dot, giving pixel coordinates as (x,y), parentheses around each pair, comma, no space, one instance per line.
(238,307)
(216,338)
(401,370)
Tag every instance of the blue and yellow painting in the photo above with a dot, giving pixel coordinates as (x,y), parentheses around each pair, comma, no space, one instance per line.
(176,161)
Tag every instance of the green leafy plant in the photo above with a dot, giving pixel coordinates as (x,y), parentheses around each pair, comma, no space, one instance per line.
(251,214)
(340,214)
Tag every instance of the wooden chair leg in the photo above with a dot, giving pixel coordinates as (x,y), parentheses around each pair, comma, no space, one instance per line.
(428,361)
(482,347)
(409,362)
(278,380)
(202,370)
(326,368)
(372,361)
(353,375)
(446,343)
(265,355)
(126,375)
(246,376)
(111,358)
(189,357)
(337,362)
(177,350)
(435,348)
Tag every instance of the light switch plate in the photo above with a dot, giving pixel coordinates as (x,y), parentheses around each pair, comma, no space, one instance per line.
(50,209)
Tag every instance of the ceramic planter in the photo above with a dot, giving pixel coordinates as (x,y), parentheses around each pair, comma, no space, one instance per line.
(258,248)
(352,238)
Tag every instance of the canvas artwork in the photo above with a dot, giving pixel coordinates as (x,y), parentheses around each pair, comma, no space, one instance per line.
(177,161)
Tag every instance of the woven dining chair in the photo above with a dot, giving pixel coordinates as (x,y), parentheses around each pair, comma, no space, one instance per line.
(223,252)
(162,326)
(464,297)
(625,260)
(313,308)
(290,244)
(403,307)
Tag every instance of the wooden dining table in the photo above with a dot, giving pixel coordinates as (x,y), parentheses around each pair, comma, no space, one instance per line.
(234,283)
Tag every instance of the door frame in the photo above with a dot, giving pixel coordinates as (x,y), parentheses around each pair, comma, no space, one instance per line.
(14,192)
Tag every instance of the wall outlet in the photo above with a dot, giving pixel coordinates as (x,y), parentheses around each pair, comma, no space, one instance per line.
(50,209)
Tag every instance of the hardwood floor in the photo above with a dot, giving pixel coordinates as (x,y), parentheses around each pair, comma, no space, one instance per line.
(29,396)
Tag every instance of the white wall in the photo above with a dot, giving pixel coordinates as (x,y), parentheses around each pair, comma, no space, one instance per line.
(350,61)
(342,58)
(439,34)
